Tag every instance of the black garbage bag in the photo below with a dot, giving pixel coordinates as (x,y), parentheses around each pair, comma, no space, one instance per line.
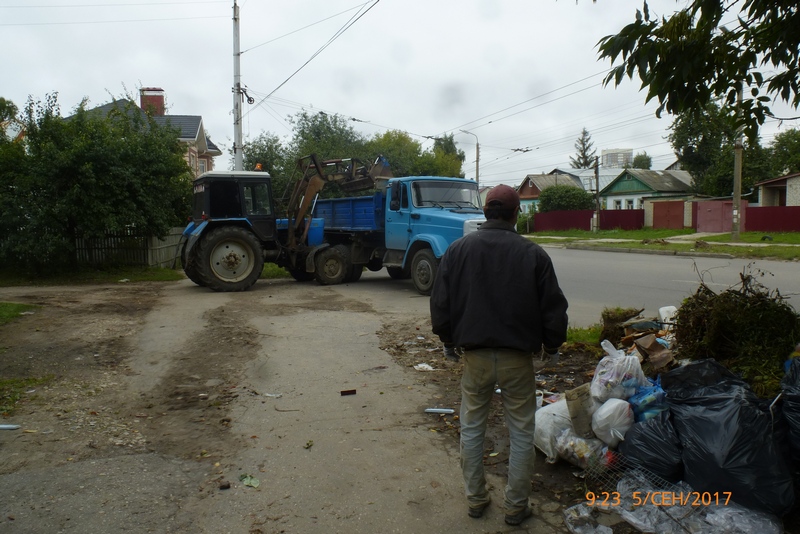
(791,410)
(654,445)
(728,438)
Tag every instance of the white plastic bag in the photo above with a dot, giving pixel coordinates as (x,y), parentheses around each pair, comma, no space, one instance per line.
(612,420)
(617,375)
(551,420)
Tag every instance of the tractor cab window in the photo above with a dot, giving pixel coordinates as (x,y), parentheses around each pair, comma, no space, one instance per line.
(225,201)
(256,199)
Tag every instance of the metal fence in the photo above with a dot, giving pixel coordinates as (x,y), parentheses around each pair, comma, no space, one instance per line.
(127,248)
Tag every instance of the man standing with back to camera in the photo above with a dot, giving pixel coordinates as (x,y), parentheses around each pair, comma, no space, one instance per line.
(497,298)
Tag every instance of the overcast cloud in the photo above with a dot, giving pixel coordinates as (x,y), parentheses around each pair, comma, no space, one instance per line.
(521,75)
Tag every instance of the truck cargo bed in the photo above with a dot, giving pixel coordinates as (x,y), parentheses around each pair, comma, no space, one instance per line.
(356,214)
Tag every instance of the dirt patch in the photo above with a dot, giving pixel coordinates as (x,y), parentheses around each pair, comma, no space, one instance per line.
(412,343)
(82,341)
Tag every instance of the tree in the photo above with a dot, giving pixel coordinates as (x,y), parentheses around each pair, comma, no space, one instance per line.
(785,152)
(704,146)
(87,175)
(642,161)
(585,156)
(689,60)
(399,149)
(565,198)
(327,136)
(266,149)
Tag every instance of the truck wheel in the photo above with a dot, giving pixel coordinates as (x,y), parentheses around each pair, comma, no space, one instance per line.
(355,274)
(398,273)
(229,259)
(190,265)
(333,265)
(301,275)
(375,265)
(423,270)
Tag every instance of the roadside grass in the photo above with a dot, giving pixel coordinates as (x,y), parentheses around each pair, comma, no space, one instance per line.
(769,252)
(273,271)
(11,310)
(589,336)
(785,238)
(92,276)
(12,389)
(644,233)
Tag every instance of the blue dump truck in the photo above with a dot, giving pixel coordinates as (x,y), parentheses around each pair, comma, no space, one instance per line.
(405,225)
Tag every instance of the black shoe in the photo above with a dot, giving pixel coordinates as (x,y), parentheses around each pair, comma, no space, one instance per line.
(519,517)
(476,512)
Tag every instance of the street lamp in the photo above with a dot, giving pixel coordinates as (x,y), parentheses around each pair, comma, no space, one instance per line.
(477,155)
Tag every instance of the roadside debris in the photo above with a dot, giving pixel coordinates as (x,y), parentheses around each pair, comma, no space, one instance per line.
(9,427)
(440,410)
(249,480)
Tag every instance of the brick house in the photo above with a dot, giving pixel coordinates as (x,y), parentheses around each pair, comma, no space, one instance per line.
(781,191)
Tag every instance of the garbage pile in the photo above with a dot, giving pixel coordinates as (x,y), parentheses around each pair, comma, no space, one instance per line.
(696,435)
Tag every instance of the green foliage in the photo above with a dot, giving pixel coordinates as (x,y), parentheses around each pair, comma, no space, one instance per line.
(85,176)
(525,222)
(642,161)
(704,141)
(586,155)
(565,198)
(747,328)
(689,60)
(785,152)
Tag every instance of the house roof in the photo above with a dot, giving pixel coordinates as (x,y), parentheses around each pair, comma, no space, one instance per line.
(543,181)
(586,177)
(658,181)
(778,179)
(190,127)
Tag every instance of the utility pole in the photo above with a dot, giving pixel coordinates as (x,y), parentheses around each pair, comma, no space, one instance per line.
(596,225)
(477,156)
(237,94)
(737,172)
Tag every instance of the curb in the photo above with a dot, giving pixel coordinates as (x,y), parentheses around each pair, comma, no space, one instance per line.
(643,251)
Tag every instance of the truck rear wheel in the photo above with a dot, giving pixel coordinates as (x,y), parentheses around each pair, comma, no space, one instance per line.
(190,265)
(423,270)
(333,265)
(229,259)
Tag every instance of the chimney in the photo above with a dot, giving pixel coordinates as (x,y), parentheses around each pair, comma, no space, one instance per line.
(152,101)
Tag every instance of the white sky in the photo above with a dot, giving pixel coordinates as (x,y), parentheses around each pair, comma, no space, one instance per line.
(518,74)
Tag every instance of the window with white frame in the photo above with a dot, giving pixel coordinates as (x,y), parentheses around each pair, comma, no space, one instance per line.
(617,204)
(201,166)
(629,204)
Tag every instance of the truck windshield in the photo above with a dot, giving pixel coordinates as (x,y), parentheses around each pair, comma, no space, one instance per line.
(445,194)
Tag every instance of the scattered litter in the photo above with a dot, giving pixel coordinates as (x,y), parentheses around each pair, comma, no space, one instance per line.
(498,391)
(248,480)
(309,444)
(347,392)
(578,451)
(27,313)
(125,280)
(9,427)
(225,484)
(273,395)
(493,454)
(439,410)
(424,367)
(551,420)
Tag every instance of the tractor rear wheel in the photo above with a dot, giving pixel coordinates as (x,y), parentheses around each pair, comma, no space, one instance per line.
(229,259)
(190,265)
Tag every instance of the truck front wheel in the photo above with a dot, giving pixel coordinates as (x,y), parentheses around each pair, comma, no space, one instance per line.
(423,270)
(229,259)
(333,265)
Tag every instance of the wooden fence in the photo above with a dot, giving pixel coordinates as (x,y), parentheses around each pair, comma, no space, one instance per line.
(127,248)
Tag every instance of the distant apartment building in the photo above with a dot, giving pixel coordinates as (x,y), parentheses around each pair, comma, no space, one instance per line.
(617,158)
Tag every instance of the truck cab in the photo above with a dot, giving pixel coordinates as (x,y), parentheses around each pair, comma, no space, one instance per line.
(423,216)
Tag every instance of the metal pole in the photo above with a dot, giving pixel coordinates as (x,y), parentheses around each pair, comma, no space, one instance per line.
(237,94)
(737,173)
(477,156)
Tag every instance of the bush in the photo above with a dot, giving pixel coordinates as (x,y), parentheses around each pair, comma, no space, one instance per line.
(525,223)
(565,198)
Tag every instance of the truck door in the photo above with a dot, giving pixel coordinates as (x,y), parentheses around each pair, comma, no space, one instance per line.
(398,222)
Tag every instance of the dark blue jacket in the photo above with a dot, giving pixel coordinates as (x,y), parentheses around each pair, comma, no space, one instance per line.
(495,288)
